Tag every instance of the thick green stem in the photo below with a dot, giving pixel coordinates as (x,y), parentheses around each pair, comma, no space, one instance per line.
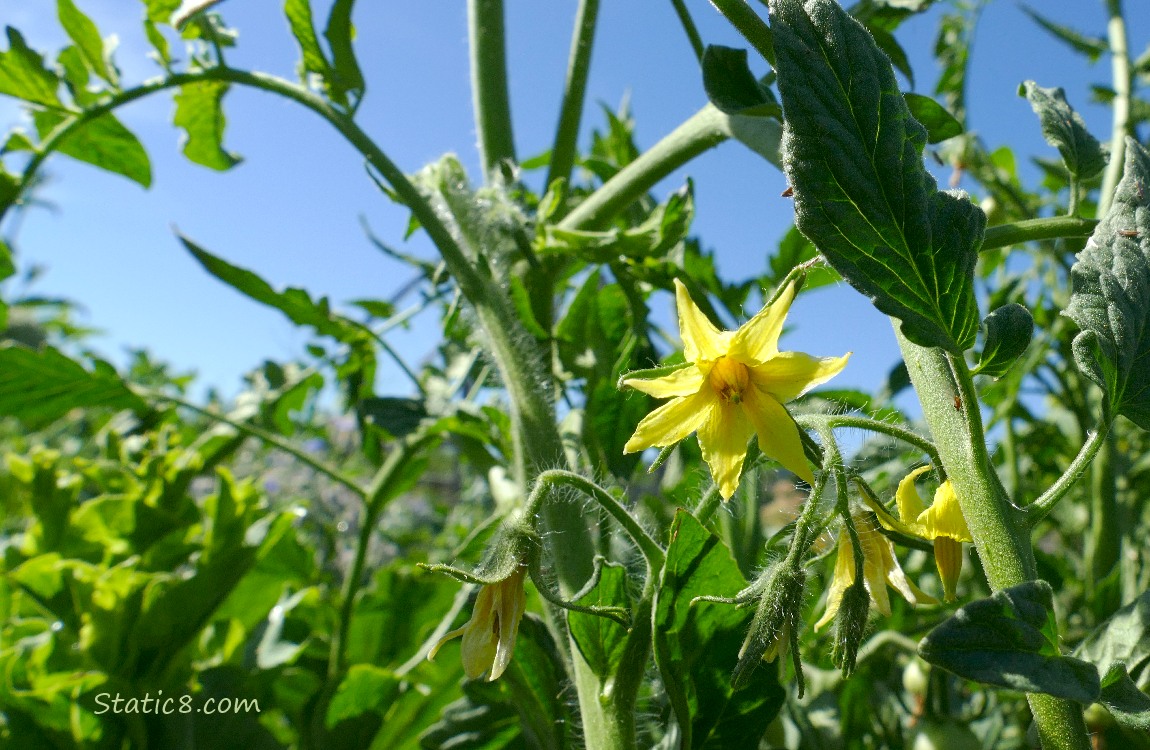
(1105,547)
(574,92)
(753,28)
(1038,510)
(489,93)
(1001,534)
(704,130)
(1037,229)
(1120,72)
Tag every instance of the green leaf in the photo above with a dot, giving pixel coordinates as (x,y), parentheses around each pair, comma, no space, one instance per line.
(481,720)
(200,113)
(888,44)
(23,75)
(1110,300)
(939,123)
(41,386)
(103,142)
(1011,640)
(1008,332)
(696,647)
(731,86)
(303,29)
(345,81)
(1091,46)
(600,640)
(1129,705)
(83,32)
(161,11)
(1124,637)
(1065,129)
(853,154)
(364,689)
(398,416)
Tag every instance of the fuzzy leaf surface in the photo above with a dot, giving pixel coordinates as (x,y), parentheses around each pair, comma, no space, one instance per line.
(853,154)
(1008,333)
(1065,129)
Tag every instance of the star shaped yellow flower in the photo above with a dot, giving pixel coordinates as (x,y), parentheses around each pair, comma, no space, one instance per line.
(941,523)
(489,636)
(734,386)
(880,568)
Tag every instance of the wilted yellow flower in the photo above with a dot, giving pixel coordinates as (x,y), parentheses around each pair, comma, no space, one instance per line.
(880,568)
(489,636)
(941,523)
(733,387)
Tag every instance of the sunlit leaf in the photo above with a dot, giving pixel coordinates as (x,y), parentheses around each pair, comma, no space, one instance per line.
(83,32)
(199,111)
(103,142)
(1065,129)
(1008,332)
(23,75)
(40,386)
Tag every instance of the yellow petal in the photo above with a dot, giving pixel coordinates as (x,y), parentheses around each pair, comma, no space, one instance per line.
(672,421)
(479,640)
(681,382)
(944,517)
(910,504)
(777,431)
(723,439)
(788,375)
(948,560)
(875,565)
(757,340)
(512,602)
(844,576)
(439,644)
(701,340)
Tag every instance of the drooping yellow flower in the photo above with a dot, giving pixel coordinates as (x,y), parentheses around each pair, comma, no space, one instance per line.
(734,386)
(489,636)
(880,568)
(942,523)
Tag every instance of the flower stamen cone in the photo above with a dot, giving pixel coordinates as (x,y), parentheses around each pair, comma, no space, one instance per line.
(489,636)
(733,388)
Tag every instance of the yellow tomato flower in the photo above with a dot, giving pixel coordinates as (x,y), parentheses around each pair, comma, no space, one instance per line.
(880,568)
(489,636)
(734,386)
(941,523)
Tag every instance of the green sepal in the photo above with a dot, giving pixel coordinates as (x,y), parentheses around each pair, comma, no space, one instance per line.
(651,373)
(1008,333)
(514,544)
(1110,300)
(1065,129)
(1011,640)
(853,154)
(732,87)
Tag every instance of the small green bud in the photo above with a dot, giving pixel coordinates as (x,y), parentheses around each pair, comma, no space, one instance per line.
(850,626)
(776,621)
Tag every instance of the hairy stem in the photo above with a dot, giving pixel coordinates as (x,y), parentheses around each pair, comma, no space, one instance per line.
(1037,229)
(1121,74)
(489,93)
(574,92)
(833,421)
(1038,510)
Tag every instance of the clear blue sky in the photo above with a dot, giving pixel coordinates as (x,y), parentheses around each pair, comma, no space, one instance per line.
(290,210)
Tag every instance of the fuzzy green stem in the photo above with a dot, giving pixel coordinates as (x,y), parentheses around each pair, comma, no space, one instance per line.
(835,421)
(704,130)
(708,504)
(1001,534)
(1039,509)
(753,28)
(1121,74)
(574,92)
(489,93)
(1037,229)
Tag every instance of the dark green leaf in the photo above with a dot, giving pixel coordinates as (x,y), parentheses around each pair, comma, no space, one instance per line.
(345,81)
(1008,332)
(200,113)
(303,29)
(1011,640)
(23,75)
(103,142)
(854,158)
(481,720)
(599,639)
(364,689)
(86,36)
(1124,637)
(1091,46)
(696,647)
(1110,301)
(40,386)
(731,86)
(888,44)
(1129,705)
(398,416)
(535,682)
(939,123)
(952,50)
(1064,129)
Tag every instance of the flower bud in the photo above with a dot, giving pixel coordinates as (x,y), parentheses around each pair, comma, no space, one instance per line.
(775,625)
(850,626)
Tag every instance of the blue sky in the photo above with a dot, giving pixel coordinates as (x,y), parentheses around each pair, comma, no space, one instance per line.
(291,210)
